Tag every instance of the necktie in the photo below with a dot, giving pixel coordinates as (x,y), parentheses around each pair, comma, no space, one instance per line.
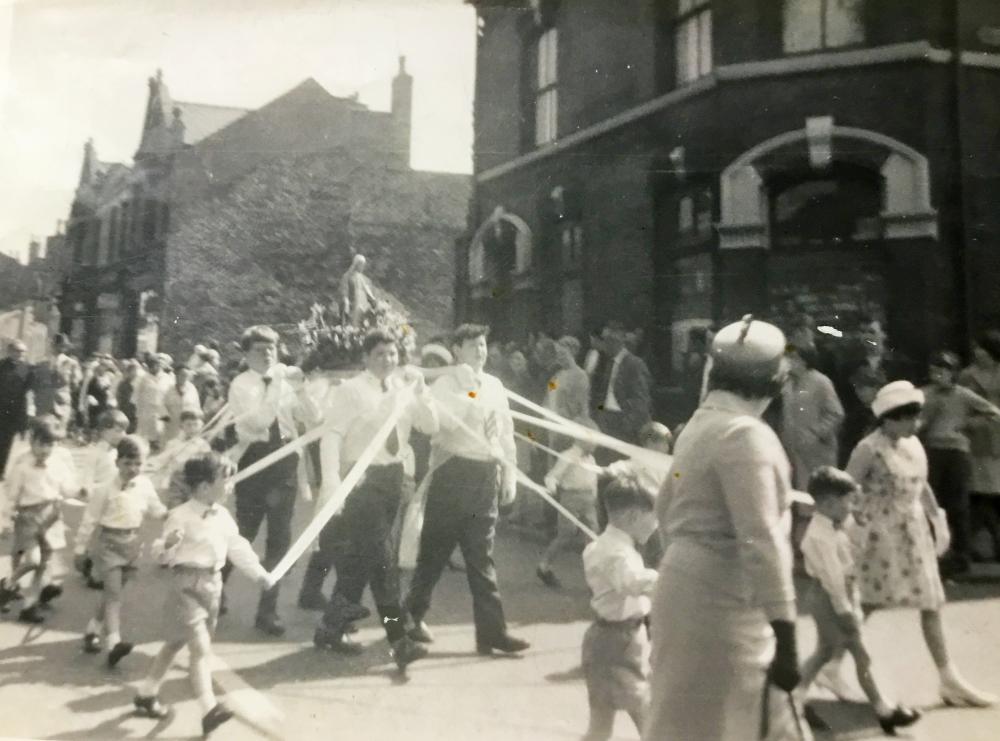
(391,442)
(274,432)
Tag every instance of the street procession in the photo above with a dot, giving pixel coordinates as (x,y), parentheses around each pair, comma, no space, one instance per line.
(520,370)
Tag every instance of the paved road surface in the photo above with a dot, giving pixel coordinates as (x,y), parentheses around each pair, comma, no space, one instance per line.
(50,689)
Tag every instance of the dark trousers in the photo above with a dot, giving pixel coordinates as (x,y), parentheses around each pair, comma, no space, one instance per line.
(461,510)
(364,553)
(949,478)
(269,494)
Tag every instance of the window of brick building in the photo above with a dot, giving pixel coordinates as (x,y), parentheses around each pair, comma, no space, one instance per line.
(546,92)
(822,24)
(693,40)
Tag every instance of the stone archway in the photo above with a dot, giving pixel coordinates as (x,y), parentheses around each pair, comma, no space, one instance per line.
(523,246)
(906,204)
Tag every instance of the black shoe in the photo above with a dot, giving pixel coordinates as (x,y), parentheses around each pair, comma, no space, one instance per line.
(49,592)
(348,612)
(421,633)
(336,641)
(7,593)
(311,601)
(91,643)
(150,707)
(270,624)
(215,718)
(31,615)
(548,577)
(507,644)
(118,652)
(406,650)
(901,717)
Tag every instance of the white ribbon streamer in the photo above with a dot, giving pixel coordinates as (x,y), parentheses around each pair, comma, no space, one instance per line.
(522,478)
(560,424)
(346,486)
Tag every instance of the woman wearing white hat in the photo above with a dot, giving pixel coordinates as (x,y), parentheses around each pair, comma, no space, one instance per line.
(723,617)
(894,542)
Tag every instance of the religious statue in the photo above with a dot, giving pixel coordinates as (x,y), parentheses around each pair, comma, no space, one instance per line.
(356,295)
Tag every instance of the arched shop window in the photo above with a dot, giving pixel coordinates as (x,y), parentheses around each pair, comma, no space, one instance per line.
(834,209)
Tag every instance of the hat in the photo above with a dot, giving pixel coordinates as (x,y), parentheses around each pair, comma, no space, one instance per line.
(749,346)
(432,349)
(894,395)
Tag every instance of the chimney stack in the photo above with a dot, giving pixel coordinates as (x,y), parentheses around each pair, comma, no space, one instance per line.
(402,112)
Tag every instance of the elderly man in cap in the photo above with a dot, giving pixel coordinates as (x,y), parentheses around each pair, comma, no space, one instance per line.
(723,616)
(15,380)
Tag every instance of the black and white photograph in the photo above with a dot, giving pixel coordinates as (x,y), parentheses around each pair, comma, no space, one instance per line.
(500,370)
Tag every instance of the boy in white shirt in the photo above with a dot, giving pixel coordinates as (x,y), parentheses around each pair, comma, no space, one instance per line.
(117,511)
(101,470)
(616,645)
(573,479)
(834,596)
(169,477)
(36,484)
(199,536)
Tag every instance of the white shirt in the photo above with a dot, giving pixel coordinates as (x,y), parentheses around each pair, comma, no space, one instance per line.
(574,470)
(27,484)
(828,557)
(100,469)
(119,507)
(255,405)
(357,408)
(208,536)
(610,402)
(618,580)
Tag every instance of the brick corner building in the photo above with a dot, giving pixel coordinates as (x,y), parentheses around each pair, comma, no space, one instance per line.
(678,163)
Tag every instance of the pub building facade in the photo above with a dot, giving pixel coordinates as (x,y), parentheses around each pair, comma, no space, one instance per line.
(679,163)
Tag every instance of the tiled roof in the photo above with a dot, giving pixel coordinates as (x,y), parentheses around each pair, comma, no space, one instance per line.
(202,120)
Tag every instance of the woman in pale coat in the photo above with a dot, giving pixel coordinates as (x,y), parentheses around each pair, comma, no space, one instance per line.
(811,416)
(723,618)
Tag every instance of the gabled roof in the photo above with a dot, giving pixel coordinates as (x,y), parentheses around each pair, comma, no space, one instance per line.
(202,120)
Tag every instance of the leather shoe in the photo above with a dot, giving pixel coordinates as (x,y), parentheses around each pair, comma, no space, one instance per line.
(270,625)
(347,611)
(215,718)
(118,652)
(406,650)
(421,633)
(91,643)
(336,641)
(49,592)
(901,717)
(506,643)
(31,615)
(150,707)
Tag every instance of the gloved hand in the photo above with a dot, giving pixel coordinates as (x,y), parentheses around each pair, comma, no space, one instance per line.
(784,669)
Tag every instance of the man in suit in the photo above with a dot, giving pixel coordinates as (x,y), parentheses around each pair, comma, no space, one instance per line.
(15,380)
(623,402)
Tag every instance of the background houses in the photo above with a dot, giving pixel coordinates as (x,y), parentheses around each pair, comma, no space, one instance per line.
(229,217)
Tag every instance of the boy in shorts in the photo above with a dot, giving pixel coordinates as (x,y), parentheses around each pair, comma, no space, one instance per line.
(199,536)
(116,511)
(36,484)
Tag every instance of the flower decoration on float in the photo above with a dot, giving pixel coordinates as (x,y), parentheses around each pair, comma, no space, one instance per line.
(332,343)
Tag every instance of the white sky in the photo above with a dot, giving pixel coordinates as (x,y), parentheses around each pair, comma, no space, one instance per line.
(72,69)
